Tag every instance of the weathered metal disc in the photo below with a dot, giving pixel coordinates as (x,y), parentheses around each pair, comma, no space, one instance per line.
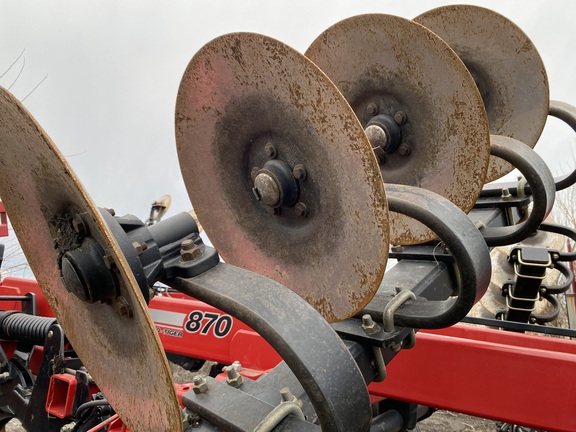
(243,91)
(397,65)
(506,67)
(42,195)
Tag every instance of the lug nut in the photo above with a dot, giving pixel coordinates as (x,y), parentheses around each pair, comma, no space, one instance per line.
(299,172)
(270,150)
(301,209)
(372,109)
(254,172)
(400,117)
(404,149)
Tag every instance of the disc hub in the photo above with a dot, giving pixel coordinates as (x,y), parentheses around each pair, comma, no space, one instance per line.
(275,185)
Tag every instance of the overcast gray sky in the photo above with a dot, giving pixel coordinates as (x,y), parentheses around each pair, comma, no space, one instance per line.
(114,68)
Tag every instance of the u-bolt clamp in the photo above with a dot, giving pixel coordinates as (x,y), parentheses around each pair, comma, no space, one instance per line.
(388,314)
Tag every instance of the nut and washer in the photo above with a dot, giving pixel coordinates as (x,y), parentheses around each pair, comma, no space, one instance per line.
(233,378)
(199,384)
(368,325)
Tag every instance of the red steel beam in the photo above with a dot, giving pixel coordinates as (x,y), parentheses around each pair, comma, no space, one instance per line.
(512,377)
(3,221)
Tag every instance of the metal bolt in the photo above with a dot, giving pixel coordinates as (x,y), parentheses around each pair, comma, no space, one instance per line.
(237,365)
(190,251)
(270,150)
(50,334)
(400,117)
(372,109)
(368,325)
(199,384)
(79,226)
(301,209)
(299,172)
(254,172)
(404,149)
(397,248)
(4,376)
(233,378)
(109,262)
(187,244)
(286,394)
(68,427)
(274,211)
(123,307)
(137,247)
(111,211)
(506,195)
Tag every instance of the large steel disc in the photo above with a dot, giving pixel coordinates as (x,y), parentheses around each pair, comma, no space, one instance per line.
(506,67)
(387,65)
(280,172)
(116,340)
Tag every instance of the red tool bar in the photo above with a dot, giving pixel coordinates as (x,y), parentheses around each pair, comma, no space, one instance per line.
(506,376)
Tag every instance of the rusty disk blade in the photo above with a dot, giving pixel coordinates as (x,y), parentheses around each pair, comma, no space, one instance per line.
(506,67)
(254,116)
(117,342)
(387,65)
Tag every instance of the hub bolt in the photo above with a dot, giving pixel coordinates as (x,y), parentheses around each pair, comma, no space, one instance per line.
(372,109)
(270,150)
(299,172)
(404,149)
(301,209)
(400,117)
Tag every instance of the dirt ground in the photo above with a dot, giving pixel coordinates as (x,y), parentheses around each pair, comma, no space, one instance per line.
(440,421)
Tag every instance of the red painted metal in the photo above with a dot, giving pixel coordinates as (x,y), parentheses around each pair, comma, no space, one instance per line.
(3,221)
(61,393)
(11,286)
(240,343)
(507,376)
(512,377)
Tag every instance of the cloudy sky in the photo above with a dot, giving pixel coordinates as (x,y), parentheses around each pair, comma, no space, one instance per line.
(112,70)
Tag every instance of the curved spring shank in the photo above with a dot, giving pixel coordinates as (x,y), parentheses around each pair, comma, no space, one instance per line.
(305,341)
(466,244)
(541,184)
(566,113)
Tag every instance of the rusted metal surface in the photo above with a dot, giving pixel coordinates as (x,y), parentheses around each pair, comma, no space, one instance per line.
(243,95)
(122,352)
(506,67)
(400,66)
